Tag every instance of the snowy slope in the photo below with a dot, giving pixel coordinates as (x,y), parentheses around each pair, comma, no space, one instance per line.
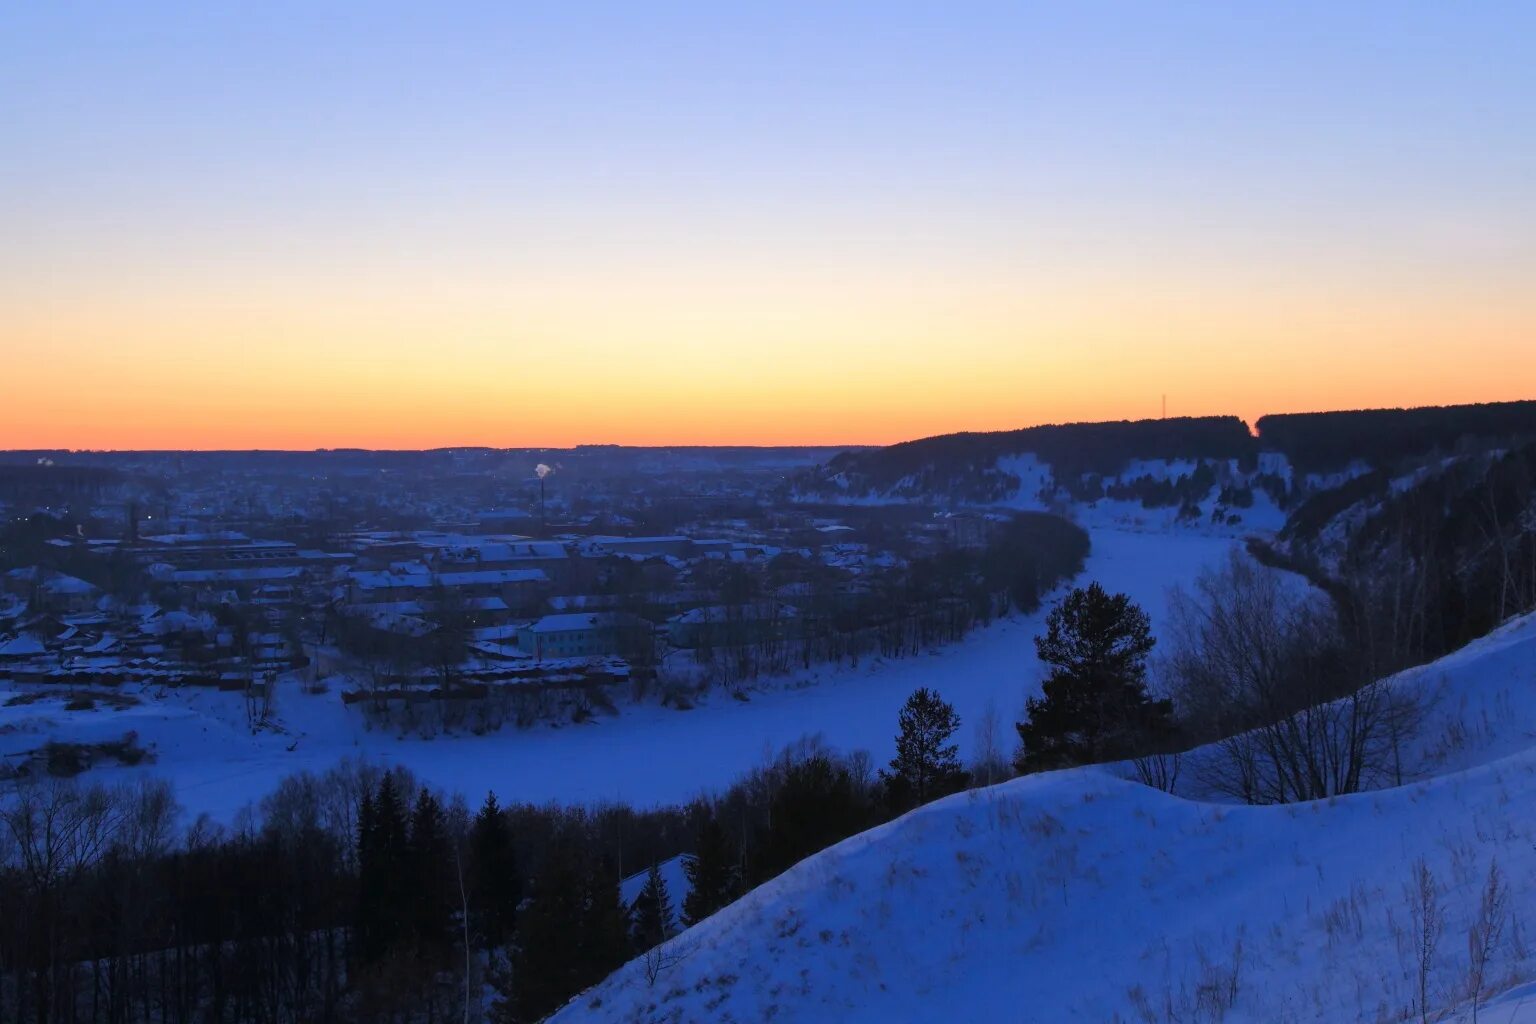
(1026,482)
(1516,1006)
(1479,705)
(1080,896)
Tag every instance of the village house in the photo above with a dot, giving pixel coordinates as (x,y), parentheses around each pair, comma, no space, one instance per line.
(583,635)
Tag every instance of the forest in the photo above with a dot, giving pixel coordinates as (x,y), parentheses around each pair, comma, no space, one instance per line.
(963,466)
(362,895)
(1431,564)
(1325,442)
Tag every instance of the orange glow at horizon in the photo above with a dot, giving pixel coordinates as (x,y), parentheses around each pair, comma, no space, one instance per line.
(283,226)
(870,365)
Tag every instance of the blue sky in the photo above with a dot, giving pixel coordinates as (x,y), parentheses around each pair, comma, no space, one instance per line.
(813,176)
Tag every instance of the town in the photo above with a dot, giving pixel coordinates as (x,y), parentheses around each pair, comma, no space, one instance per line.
(470,589)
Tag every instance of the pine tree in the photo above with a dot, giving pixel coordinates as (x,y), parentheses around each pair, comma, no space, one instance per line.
(381,870)
(572,934)
(605,923)
(429,862)
(652,919)
(711,871)
(926,765)
(365,919)
(494,886)
(1095,704)
(547,965)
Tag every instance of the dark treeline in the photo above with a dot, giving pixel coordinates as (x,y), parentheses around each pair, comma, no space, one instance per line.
(1425,568)
(963,465)
(1285,688)
(359,895)
(42,483)
(1306,521)
(795,613)
(940,597)
(931,597)
(1322,442)
(1184,491)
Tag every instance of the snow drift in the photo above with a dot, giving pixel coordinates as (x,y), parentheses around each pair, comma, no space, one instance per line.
(1078,895)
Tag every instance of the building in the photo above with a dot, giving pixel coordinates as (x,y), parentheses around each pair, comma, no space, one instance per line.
(674,546)
(583,635)
(50,591)
(457,555)
(523,589)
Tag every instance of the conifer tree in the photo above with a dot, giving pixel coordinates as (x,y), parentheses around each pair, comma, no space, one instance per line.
(605,923)
(429,862)
(1095,705)
(573,933)
(711,871)
(926,765)
(382,870)
(652,919)
(547,966)
(364,923)
(494,885)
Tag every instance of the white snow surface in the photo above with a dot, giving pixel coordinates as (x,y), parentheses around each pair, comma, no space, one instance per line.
(1264,516)
(646,755)
(1080,896)
(672,876)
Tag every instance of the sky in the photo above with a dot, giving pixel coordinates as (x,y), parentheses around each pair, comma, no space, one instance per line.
(299,225)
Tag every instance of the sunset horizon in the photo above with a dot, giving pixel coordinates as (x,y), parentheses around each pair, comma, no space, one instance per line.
(298,227)
(1249,421)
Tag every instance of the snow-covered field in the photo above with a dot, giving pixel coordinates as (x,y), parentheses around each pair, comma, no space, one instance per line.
(1080,896)
(647,754)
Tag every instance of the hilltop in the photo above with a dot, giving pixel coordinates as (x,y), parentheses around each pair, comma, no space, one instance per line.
(1287,456)
(1081,895)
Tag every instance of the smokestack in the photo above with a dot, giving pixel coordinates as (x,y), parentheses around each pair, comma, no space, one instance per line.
(542,470)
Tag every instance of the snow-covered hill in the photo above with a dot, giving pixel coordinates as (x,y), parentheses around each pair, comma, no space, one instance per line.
(1213,495)
(1078,895)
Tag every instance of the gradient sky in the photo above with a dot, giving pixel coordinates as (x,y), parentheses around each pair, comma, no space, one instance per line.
(301,224)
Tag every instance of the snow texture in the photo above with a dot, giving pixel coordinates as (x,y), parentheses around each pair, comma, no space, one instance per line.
(646,755)
(1080,896)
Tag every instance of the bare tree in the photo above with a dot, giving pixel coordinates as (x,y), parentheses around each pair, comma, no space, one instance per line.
(1160,771)
(1259,671)
(1422,894)
(55,831)
(660,959)
(989,763)
(1486,934)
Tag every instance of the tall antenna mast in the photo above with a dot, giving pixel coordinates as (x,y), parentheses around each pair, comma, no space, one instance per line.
(1165,405)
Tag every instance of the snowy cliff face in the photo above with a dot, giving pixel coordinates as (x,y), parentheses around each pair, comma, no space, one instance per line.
(985,468)
(1449,542)
(1077,895)
(1215,496)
